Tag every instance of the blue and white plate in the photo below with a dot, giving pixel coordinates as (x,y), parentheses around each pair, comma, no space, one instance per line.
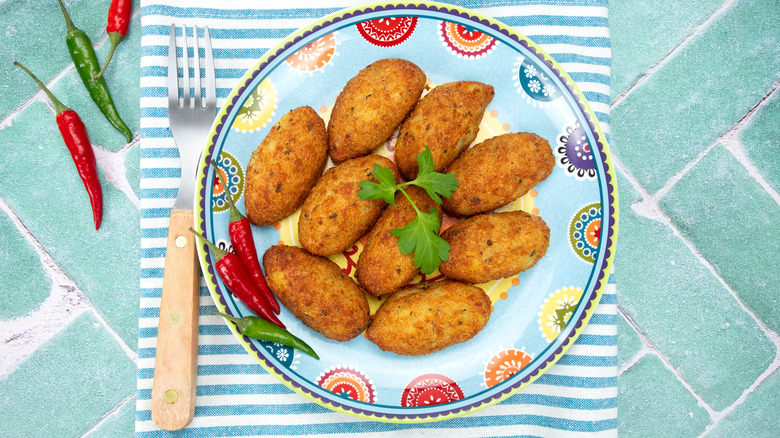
(536,315)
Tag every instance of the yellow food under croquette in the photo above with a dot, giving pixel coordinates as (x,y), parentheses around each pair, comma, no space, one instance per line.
(371,106)
(446,120)
(491,246)
(333,217)
(317,292)
(284,168)
(497,171)
(429,317)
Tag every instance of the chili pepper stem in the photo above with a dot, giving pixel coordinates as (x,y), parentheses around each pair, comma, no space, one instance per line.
(68,22)
(58,106)
(235,214)
(240,322)
(115,38)
(218,253)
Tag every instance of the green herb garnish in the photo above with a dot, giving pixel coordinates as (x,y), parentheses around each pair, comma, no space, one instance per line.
(420,236)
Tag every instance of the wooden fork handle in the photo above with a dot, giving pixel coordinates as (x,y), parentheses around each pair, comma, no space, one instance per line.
(175,364)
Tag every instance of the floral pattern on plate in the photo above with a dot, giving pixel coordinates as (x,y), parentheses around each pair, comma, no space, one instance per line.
(465,42)
(573,152)
(557,310)
(430,389)
(387,32)
(505,364)
(585,232)
(348,382)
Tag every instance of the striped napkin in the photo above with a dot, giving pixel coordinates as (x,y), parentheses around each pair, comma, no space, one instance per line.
(235,395)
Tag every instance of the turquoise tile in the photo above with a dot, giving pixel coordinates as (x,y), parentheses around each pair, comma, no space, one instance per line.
(68,385)
(628,341)
(761,141)
(122,79)
(732,221)
(23,278)
(757,417)
(39,182)
(653,403)
(39,43)
(699,94)
(119,424)
(133,168)
(684,310)
(643,33)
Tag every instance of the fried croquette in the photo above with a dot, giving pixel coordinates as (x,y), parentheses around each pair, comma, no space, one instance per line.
(446,120)
(490,246)
(317,292)
(429,317)
(381,267)
(371,106)
(497,171)
(286,165)
(333,217)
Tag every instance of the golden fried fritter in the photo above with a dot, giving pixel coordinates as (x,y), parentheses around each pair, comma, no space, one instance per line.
(446,120)
(429,317)
(494,245)
(333,217)
(497,171)
(371,107)
(381,267)
(317,292)
(285,166)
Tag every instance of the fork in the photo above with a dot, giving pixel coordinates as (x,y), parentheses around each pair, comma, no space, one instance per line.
(175,368)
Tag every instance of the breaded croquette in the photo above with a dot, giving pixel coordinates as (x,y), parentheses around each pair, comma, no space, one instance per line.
(371,107)
(317,292)
(333,217)
(497,171)
(490,246)
(446,120)
(284,168)
(429,317)
(381,267)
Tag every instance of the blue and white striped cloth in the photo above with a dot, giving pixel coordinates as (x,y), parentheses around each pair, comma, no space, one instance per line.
(235,395)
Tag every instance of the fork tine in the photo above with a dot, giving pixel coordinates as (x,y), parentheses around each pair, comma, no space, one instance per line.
(186,79)
(211,82)
(173,71)
(196,69)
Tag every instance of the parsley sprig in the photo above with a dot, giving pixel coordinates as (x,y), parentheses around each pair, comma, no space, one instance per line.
(420,236)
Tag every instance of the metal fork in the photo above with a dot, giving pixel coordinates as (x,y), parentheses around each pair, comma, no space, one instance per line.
(175,367)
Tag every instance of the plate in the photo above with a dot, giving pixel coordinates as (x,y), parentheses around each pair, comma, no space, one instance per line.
(537,314)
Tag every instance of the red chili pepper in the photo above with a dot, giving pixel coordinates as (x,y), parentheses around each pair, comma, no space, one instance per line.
(74,133)
(118,22)
(240,231)
(237,279)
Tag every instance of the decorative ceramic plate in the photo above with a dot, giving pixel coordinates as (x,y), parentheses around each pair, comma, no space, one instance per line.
(536,315)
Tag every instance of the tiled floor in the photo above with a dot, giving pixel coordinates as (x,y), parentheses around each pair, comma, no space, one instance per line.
(695,135)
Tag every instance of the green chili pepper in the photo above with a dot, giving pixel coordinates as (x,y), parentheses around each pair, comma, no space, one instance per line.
(85,60)
(258,328)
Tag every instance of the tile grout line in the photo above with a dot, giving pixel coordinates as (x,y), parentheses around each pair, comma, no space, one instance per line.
(773,367)
(648,347)
(114,165)
(773,337)
(111,413)
(652,211)
(729,140)
(64,304)
(696,31)
(733,143)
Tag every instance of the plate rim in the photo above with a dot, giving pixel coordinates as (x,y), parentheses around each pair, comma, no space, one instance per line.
(573,330)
